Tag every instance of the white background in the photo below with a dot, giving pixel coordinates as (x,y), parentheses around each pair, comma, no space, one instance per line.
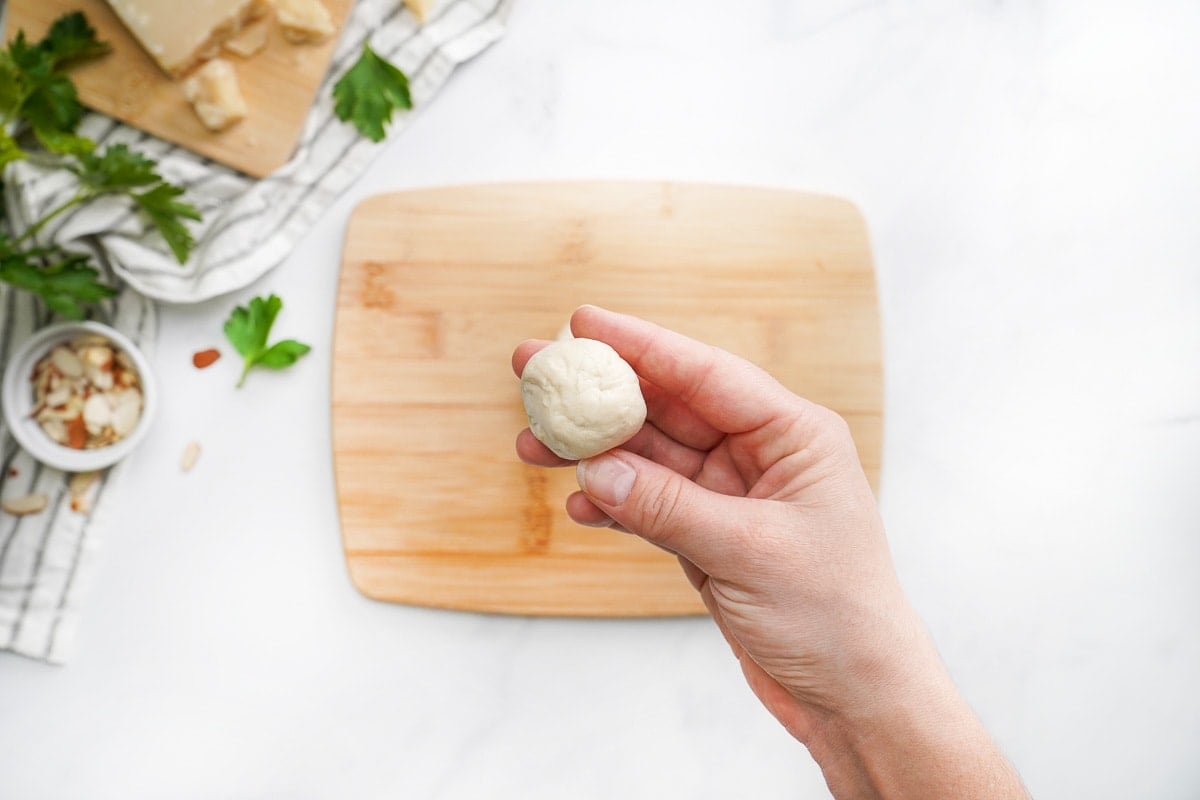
(1030,173)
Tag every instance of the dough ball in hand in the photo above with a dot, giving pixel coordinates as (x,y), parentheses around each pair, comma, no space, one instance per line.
(581,398)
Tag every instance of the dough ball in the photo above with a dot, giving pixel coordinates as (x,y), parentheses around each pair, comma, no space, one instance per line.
(581,398)
(564,332)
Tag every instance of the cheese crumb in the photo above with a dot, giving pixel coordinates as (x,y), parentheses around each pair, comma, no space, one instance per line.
(214,93)
(304,21)
(249,40)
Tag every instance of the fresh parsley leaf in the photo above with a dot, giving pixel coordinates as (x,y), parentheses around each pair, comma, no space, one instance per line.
(368,93)
(63,280)
(248,328)
(119,170)
(65,144)
(283,354)
(9,150)
(33,88)
(165,213)
(53,105)
(71,38)
(12,93)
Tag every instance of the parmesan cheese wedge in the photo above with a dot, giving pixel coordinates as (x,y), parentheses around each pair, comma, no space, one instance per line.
(214,93)
(179,37)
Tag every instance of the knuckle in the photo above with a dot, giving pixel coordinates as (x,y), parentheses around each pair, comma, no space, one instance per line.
(660,512)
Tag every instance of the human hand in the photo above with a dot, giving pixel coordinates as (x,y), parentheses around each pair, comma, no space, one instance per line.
(761,496)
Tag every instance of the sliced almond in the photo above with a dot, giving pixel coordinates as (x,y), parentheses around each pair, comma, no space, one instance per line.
(29,504)
(97,355)
(97,414)
(79,488)
(190,454)
(58,397)
(66,362)
(126,412)
(99,377)
(55,428)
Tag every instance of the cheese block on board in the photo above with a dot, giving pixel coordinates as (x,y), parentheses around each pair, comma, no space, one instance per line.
(178,38)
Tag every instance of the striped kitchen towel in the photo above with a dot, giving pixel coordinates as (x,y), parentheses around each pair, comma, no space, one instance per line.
(249,227)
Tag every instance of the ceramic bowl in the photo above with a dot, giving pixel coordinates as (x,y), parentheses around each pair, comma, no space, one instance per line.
(17,397)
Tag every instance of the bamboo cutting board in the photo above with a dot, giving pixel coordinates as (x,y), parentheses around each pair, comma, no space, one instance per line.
(439,285)
(279,84)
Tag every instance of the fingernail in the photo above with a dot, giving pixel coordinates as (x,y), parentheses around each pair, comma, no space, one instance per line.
(606,478)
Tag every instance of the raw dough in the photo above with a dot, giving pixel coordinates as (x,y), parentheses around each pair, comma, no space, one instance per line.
(581,398)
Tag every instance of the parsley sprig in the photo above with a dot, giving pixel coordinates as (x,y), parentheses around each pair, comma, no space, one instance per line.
(39,114)
(369,92)
(248,328)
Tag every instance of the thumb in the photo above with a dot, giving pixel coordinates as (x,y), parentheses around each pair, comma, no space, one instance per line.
(660,505)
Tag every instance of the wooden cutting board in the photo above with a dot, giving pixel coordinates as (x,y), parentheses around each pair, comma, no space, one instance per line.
(439,285)
(279,84)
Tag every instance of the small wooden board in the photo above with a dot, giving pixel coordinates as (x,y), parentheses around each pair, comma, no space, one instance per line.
(279,84)
(439,285)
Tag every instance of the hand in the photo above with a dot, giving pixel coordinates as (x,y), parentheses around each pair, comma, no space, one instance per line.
(761,495)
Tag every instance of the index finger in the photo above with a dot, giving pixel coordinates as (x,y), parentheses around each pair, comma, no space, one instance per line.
(725,391)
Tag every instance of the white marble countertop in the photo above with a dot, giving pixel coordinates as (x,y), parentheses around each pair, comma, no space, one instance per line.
(1030,173)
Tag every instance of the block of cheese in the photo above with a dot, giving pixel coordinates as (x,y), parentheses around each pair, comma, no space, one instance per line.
(304,21)
(214,93)
(179,36)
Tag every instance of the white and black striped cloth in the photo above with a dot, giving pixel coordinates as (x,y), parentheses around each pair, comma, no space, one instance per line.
(249,227)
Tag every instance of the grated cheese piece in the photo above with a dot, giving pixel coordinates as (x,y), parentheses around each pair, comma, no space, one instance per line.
(249,40)
(304,21)
(214,93)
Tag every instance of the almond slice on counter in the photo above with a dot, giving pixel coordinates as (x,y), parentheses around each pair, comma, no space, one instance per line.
(205,358)
(29,504)
(79,489)
(190,454)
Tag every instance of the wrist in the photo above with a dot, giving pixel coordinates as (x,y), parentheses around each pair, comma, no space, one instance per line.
(916,738)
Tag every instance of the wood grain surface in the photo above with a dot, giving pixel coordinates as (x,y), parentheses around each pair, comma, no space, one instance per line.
(439,285)
(279,84)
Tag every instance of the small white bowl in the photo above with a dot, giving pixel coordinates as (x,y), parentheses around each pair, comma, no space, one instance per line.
(17,399)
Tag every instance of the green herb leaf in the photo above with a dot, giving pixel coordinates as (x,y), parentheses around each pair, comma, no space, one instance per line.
(165,212)
(9,150)
(52,105)
(65,281)
(283,354)
(368,93)
(12,92)
(71,38)
(65,144)
(117,169)
(248,329)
